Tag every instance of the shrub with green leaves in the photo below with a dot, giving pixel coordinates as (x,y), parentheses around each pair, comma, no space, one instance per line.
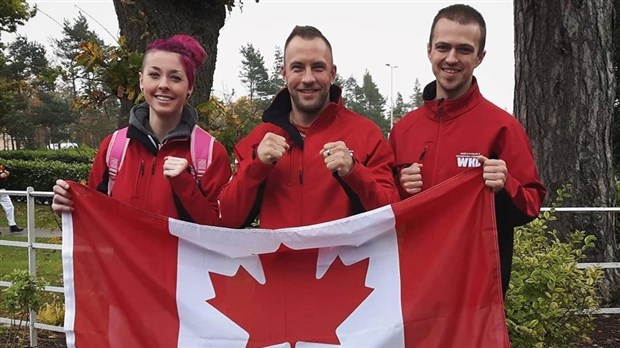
(550,302)
(18,300)
(83,155)
(42,174)
(41,168)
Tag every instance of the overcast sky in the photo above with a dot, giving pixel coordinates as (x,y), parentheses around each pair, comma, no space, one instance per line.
(365,35)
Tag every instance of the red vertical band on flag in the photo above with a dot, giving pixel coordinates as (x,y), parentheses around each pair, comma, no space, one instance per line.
(125,296)
(451,292)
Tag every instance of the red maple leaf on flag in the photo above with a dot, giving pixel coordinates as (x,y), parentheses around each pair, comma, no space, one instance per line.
(292,305)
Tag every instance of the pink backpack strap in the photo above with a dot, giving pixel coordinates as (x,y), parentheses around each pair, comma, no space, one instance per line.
(201,148)
(115,155)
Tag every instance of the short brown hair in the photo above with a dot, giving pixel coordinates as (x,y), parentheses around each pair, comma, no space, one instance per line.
(462,14)
(307,32)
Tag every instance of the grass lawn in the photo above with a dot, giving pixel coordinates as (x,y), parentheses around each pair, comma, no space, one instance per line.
(43,215)
(49,263)
(49,269)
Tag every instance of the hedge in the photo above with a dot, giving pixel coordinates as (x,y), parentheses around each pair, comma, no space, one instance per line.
(42,174)
(80,155)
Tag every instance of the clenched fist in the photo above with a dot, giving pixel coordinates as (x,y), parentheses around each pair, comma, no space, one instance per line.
(271,148)
(494,173)
(411,178)
(173,166)
(338,158)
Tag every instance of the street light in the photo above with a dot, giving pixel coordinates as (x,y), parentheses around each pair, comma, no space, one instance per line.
(392,67)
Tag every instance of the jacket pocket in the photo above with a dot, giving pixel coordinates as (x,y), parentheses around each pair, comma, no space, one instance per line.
(137,185)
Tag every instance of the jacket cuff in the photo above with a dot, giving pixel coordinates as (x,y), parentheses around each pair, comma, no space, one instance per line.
(184,179)
(511,186)
(355,176)
(258,170)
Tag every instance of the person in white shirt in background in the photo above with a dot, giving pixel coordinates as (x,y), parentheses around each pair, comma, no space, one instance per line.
(5,201)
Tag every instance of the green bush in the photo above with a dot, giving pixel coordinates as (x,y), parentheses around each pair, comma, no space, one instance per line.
(83,155)
(42,175)
(41,168)
(24,294)
(19,299)
(550,302)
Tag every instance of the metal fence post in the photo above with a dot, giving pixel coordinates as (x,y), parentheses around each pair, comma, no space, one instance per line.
(32,261)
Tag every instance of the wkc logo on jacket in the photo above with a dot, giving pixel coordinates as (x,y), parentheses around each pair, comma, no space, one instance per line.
(467,160)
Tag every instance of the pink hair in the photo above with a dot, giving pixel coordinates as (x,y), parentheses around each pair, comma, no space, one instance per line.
(192,53)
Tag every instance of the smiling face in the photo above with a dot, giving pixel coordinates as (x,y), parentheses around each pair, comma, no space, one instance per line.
(454,53)
(308,72)
(164,84)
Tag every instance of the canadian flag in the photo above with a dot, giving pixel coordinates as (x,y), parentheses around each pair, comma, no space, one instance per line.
(420,273)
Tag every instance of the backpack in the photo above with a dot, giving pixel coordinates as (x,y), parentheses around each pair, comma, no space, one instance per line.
(201,150)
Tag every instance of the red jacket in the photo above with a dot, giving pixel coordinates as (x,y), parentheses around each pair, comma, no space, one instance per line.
(446,136)
(141,182)
(299,190)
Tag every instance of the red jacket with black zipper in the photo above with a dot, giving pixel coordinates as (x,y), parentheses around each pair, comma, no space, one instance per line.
(141,182)
(299,190)
(447,135)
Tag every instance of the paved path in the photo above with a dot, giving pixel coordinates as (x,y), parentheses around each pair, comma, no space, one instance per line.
(38,232)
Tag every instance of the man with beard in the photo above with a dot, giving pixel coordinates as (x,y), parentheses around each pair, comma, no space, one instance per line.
(311,160)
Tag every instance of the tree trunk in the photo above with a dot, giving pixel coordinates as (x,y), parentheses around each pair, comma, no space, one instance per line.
(123,112)
(564,94)
(143,21)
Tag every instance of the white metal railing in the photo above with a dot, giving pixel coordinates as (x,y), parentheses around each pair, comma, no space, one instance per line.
(603,265)
(584,209)
(32,246)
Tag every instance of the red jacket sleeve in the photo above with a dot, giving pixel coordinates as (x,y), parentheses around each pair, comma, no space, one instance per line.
(398,166)
(201,202)
(523,184)
(238,198)
(372,178)
(98,178)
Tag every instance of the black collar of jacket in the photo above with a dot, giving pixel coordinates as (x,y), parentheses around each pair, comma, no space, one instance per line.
(138,129)
(135,134)
(278,112)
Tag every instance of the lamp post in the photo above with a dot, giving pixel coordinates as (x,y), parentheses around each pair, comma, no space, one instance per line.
(392,67)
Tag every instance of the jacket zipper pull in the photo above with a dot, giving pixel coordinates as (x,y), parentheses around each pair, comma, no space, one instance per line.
(301,176)
(142,167)
(153,166)
(440,107)
(423,152)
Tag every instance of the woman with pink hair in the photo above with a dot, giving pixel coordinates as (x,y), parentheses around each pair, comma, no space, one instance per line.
(150,164)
